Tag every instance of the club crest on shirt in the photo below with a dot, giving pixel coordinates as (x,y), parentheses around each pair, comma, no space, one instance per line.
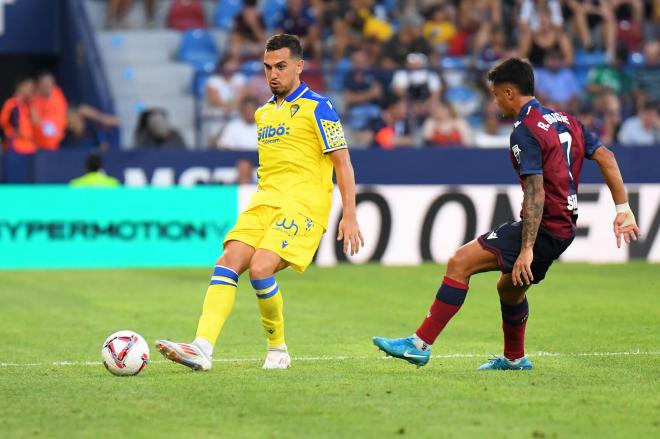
(294,109)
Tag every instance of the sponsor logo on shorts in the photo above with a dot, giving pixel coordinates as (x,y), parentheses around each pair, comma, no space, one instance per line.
(290,229)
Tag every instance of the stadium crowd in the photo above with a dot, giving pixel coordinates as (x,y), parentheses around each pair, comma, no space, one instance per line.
(412,74)
(404,73)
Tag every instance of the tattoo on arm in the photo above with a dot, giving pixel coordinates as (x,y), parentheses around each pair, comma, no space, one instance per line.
(533,200)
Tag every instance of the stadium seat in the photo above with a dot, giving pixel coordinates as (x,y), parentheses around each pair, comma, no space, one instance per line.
(198,83)
(463,99)
(186,14)
(226,12)
(198,49)
(454,62)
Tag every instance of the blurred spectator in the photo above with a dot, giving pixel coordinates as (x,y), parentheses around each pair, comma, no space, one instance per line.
(118,10)
(493,48)
(49,112)
(87,126)
(445,128)
(608,109)
(647,76)
(241,132)
(95,175)
(476,17)
(556,85)
(225,89)
(154,130)
(642,129)
(629,16)
(334,15)
(186,15)
(408,40)
(371,22)
(418,83)
(531,11)
(245,171)
(492,134)
(587,115)
(248,35)
(392,129)
(586,16)
(440,28)
(299,19)
(612,77)
(361,93)
(536,41)
(16,119)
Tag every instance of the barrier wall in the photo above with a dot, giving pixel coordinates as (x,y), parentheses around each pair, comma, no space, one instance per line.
(411,224)
(403,166)
(61,227)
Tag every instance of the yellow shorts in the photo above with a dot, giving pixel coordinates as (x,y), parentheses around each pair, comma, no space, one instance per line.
(291,235)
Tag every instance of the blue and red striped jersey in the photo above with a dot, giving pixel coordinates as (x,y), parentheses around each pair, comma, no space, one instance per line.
(554,144)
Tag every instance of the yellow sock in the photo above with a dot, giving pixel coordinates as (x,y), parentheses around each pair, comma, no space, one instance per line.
(271,308)
(218,303)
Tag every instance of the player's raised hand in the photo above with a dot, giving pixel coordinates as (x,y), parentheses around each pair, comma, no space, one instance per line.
(349,231)
(521,274)
(625,227)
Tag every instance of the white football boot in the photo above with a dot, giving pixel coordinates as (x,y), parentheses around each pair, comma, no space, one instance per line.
(277,358)
(188,354)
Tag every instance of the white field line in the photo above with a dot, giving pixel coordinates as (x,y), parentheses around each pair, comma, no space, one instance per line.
(349,358)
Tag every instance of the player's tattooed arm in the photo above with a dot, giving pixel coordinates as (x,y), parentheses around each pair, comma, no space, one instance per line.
(533,200)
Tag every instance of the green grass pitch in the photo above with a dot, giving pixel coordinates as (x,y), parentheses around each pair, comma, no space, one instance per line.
(340,385)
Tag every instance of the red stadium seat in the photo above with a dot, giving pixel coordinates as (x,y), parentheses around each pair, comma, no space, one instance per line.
(186,14)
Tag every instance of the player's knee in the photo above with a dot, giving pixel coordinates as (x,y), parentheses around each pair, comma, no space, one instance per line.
(231,261)
(260,268)
(457,267)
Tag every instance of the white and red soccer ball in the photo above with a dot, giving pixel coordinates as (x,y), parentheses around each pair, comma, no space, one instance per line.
(125,353)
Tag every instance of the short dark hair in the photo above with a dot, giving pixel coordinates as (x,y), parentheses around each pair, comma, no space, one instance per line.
(516,72)
(93,162)
(281,41)
(20,79)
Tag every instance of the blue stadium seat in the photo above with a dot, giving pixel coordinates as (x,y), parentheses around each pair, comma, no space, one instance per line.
(272,12)
(198,49)
(249,68)
(454,62)
(464,99)
(198,82)
(225,13)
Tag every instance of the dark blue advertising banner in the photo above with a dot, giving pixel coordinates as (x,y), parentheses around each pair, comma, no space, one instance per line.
(412,166)
(29,26)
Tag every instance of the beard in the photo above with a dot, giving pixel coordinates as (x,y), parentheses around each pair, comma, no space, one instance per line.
(279,90)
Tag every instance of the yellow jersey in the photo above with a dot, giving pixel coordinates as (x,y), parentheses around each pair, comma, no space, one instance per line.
(295,170)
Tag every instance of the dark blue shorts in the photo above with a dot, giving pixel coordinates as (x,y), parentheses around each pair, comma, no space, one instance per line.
(504,242)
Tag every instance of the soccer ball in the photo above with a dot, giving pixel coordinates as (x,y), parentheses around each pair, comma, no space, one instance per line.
(125,353)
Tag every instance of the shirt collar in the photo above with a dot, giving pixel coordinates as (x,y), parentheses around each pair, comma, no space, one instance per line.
(302,88)
(532,103)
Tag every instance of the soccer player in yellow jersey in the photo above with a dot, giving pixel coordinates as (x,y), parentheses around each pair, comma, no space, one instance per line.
(300,141)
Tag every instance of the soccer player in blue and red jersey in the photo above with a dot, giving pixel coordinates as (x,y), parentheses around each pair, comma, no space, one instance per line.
(548,149)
